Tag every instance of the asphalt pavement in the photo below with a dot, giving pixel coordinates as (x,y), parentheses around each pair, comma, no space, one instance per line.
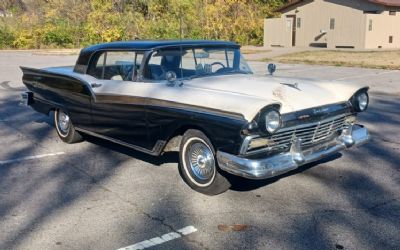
(98,195)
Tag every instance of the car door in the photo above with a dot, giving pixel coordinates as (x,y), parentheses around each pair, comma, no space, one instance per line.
(116,114)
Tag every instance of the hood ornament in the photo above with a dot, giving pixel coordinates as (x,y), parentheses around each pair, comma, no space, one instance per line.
(292,85)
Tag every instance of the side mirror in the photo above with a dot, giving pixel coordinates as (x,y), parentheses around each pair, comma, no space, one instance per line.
(271,68)
(171,77)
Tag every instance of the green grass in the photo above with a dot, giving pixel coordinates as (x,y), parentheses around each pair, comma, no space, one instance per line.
(387,59)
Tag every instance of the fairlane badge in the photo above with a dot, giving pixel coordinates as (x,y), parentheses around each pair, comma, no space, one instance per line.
(319,111)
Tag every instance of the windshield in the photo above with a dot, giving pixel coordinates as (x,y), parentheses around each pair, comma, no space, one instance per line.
(196,62)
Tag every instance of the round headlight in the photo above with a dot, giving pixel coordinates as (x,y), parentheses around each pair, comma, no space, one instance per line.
(272,121)
(362,100)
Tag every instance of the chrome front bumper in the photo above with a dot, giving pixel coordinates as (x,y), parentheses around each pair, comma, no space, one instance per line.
(281,163)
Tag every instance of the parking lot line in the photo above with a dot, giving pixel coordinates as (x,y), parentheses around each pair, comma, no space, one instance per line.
(162,239)
(30,158)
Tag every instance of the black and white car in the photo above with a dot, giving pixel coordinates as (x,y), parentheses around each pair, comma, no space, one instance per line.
(201,97)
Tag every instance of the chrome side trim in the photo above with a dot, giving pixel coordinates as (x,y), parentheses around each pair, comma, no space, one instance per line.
(281,163)
(156,150)
(152,102)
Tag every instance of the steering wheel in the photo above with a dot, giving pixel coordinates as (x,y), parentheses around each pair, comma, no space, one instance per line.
(218,63)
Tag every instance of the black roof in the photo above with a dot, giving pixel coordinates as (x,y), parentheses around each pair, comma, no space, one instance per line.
(389,3)
(87,52)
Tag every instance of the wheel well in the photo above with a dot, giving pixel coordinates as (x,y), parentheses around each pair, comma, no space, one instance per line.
(183,129)
(49,110)
(54,108)
(174,141)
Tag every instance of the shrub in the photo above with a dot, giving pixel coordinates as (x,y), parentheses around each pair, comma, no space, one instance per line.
(6,38)
(25,39)
(58,35)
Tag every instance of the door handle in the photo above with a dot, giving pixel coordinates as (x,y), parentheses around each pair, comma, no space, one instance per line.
(95,85)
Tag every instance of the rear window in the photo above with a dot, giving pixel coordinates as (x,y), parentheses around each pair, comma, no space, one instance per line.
(116,65)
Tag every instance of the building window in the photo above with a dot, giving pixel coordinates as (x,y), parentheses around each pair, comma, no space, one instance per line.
(298,23)
(392,12)
(370,25)
(332,23)
(390,39)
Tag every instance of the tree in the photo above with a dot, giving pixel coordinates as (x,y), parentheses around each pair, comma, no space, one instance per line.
(73,23)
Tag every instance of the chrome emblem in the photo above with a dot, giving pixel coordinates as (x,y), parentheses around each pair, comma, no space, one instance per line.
(302,117)
(292,85)
(319,111)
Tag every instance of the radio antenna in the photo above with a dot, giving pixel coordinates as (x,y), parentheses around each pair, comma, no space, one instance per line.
(180,24)
(180,39)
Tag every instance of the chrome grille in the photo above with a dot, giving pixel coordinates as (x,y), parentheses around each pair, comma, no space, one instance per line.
(309,134)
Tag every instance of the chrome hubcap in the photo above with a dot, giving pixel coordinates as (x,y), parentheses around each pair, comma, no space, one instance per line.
(63,122)
(201,161)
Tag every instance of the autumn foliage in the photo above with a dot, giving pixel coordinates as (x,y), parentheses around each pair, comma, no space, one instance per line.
(76,23)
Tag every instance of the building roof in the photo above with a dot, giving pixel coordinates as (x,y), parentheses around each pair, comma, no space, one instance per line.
(87,52)
(390,3)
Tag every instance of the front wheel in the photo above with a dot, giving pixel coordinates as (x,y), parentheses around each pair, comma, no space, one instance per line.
(65,129)
(198,164)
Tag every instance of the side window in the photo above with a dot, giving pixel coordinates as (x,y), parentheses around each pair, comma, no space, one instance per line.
(96,66)
(210,61)
(163,61)
(117,65)
(189,62)
(230,57)
(138,62)
(194,62)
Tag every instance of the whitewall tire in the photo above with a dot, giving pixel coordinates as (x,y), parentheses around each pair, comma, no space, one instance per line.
(198,165)
(64,127)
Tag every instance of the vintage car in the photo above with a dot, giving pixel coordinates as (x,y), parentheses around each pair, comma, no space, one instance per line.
(200,97)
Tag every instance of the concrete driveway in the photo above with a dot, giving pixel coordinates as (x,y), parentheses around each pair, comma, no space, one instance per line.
(98,195)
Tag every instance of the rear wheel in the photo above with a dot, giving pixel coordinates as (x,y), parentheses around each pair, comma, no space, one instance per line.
(65,129)
(198,164)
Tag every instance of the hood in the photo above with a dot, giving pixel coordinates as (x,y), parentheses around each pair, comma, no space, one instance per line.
(292,93)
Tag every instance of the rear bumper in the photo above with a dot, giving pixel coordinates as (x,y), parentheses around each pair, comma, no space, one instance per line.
(26,98)
(41,106)
(284,162)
